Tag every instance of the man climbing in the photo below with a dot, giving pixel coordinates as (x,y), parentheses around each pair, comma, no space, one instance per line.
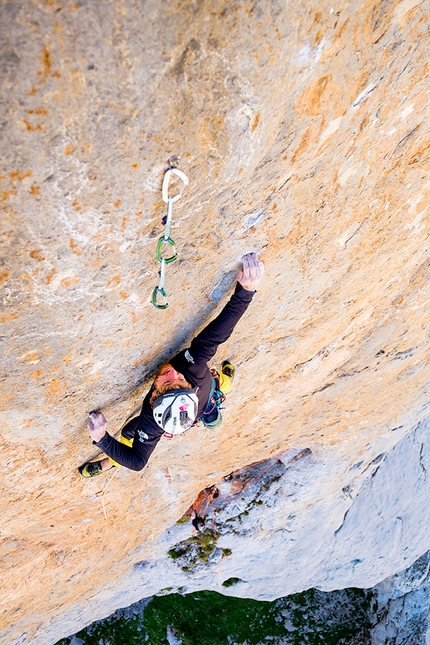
(184,390)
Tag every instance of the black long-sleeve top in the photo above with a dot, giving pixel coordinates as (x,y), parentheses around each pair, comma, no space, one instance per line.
(192,363)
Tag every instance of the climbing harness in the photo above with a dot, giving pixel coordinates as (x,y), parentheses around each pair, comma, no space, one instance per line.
(166,239)
(211,417)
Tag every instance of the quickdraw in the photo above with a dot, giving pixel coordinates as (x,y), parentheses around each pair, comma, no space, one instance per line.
(166,239)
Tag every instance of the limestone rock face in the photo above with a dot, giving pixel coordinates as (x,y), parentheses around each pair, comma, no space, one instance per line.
(303,129)
(404,607)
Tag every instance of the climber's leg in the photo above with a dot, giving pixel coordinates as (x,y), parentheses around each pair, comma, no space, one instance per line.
(109,460)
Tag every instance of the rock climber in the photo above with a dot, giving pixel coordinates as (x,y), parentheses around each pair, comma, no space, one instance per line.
(184,390)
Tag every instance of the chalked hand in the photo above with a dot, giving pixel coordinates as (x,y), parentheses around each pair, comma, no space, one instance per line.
(96,425)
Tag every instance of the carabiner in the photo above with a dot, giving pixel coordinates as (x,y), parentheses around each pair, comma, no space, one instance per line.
(159,247)
(166,180)
(155,293)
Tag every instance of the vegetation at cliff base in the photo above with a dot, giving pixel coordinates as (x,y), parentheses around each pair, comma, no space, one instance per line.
(208,618)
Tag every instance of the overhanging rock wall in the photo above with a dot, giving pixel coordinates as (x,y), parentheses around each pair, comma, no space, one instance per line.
(303,128)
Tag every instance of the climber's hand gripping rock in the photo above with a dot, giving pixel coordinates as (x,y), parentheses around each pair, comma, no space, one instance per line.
(96,425)
(252,271)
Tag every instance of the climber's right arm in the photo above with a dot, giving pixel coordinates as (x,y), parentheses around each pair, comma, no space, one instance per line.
(204,346)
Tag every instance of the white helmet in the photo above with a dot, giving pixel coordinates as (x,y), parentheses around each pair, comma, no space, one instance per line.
(176,410)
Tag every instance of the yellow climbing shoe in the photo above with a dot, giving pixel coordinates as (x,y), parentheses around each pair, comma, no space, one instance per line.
(228,369)
(91,469)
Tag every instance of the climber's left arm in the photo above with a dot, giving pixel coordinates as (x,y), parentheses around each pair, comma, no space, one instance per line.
(135,457)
